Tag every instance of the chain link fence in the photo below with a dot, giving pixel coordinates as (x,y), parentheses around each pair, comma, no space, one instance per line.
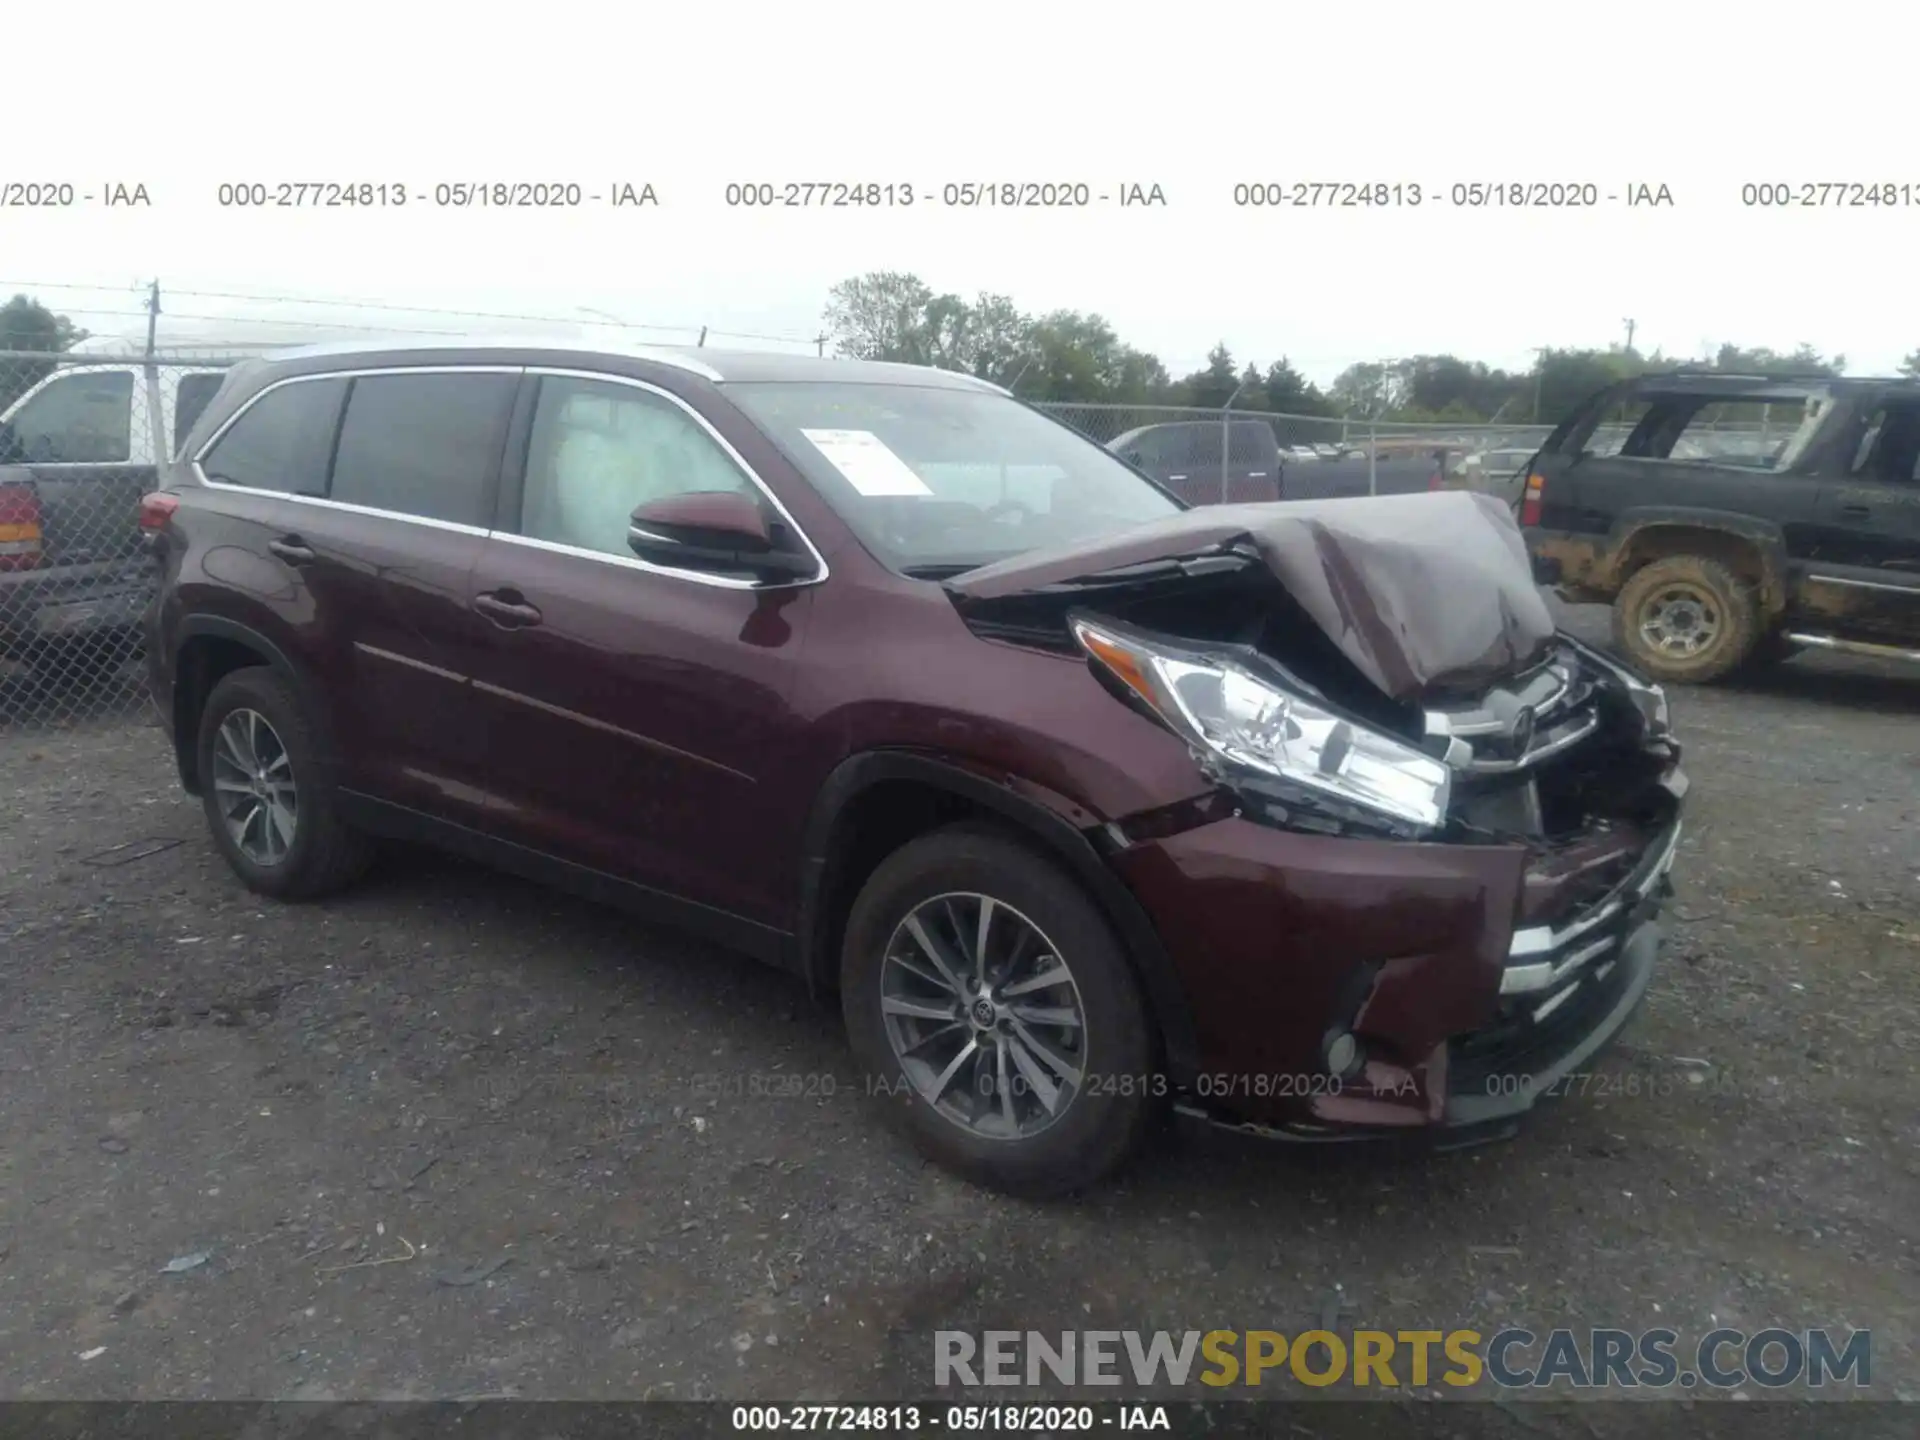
(1209,455)
(82,438)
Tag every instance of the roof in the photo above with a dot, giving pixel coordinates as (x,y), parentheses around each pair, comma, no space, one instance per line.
(1715,382)
(720,366)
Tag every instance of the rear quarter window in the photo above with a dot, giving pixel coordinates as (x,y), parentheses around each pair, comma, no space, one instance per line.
(279,442)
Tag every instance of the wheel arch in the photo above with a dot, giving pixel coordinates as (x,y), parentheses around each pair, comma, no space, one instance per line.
(1754,549)
(207,648)
(874,801)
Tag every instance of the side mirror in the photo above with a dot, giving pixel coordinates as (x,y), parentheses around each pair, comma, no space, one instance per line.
(719,530)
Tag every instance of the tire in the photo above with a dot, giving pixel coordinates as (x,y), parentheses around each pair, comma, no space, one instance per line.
(1094,1128)
(1662,595)
(324,854)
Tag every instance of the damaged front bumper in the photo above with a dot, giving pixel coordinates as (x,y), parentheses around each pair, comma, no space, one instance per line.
(1350,987)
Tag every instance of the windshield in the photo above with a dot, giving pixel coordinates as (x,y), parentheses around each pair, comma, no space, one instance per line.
(935,481)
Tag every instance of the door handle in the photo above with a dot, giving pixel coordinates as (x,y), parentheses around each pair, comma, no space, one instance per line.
(1858,512)
(292,549)
(506,608)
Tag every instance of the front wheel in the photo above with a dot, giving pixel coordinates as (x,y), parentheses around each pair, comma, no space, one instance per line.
(992,1004)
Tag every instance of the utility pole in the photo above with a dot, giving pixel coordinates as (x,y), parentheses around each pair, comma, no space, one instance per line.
(701,342)
(820,345)
(1226,433)
(153,315)
(1631,327)
(1376,403)
(1539,369)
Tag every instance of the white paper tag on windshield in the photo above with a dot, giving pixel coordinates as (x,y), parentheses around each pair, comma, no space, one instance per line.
(870,467)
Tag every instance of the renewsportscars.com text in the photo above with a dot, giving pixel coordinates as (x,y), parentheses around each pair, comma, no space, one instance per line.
(1598,1358)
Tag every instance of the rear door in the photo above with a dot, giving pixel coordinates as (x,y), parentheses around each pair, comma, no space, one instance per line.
(83,440)
(630,711)
(85,436)
(384,559)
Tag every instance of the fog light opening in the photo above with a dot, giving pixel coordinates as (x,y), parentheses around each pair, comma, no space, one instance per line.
(1343,1054)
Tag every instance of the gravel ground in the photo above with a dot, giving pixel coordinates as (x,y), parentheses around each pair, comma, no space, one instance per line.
(452,1135)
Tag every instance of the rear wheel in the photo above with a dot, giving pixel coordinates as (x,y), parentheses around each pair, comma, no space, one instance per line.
(993,1006)
(268,799)
(1687,619)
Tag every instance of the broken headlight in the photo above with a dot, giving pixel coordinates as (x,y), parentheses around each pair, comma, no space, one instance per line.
(1250,723)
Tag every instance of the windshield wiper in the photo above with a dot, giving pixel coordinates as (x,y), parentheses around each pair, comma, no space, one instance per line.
(943,571)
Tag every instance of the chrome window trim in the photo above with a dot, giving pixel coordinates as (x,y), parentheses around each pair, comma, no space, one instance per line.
(327,502)
(698,577)
(344,374)
(723,582)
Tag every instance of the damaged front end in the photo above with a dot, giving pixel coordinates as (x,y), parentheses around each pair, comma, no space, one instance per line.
(1510,797)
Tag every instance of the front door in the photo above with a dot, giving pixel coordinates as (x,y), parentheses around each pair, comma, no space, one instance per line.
(630,711)
(1862,573)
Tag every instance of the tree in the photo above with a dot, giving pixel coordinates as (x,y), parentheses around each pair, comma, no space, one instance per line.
(1370,388)
(1211,388)
(1759,360)
(27,325)
(1288,392)
(1076,357)
(881,316)
(1910,367)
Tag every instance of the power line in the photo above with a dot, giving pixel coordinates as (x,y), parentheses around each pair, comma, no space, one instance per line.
(390,308)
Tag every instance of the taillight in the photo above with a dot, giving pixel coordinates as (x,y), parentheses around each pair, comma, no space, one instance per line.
(20,535)
(155,510)
(1530,501)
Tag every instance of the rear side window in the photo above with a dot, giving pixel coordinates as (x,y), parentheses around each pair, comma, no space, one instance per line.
(426,445)
(280,441)
(190,399)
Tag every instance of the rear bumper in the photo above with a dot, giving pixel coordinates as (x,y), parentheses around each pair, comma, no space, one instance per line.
(1461,1021)
(62,602)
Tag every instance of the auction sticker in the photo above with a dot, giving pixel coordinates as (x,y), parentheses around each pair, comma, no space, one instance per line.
(870,467)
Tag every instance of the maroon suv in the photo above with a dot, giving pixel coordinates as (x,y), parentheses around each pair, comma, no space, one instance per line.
(1299,817)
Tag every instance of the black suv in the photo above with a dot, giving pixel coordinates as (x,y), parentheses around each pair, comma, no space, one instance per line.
(1732,520)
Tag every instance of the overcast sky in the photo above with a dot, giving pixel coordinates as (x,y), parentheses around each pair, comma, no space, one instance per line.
(1699,97)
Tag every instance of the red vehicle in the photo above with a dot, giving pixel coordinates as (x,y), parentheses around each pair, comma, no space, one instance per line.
(1300,818)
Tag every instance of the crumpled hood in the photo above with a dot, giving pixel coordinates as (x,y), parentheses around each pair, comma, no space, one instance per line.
(1422,593)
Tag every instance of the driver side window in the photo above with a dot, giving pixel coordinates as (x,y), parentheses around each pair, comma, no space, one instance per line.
(80,419)
(599,449)
(1889,446)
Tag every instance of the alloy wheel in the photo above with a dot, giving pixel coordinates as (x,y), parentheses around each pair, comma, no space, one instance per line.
(984,1016)
(254,785)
